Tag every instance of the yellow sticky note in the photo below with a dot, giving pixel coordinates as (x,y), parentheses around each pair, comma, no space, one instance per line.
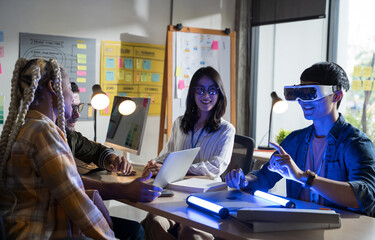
(121,75)
(81,46)
(81,60)
(139,63)
(128,77)
(178,71)
(80,55)
(82,67)
(357,72)
(82,80)
(367,84)
(367,71)
(356,84)
(89,111)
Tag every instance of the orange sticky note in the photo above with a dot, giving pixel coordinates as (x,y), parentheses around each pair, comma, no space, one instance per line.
(89,112)
(181,84)
(215,45)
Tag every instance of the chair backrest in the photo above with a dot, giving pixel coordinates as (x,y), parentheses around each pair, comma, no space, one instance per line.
(242,156)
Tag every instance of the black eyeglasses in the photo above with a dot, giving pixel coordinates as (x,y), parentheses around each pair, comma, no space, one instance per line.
(211,90)
(78,107)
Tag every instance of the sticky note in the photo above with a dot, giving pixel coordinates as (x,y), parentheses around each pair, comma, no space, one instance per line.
(178,71)
(1,52)
(155,77)
(367,84)
(128,63)
(139,63)
(201,62)
(1,71)
(81,60)
(356,84)
(89,111)
(367,71)
(81,46)
(122,94)
(121,75)
(82,67)
(215,45)
(106,110)
(146,64)
(110,76)
(120,63)
(137,76)
(80,55)
(81,73)
(82,89)
(81,80)
(110,63)
(128,77)
(181,84)
(143,77)
(357,71)
(1,36)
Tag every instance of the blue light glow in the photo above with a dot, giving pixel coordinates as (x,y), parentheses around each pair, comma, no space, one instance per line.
(204,204)
(271,198)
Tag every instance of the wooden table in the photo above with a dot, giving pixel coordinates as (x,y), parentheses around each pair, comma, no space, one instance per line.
(354,226)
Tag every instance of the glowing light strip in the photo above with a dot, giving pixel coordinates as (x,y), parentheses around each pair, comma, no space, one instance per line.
(204,204)
(271,198)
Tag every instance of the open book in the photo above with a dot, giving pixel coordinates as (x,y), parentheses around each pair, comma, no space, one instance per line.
(197,185)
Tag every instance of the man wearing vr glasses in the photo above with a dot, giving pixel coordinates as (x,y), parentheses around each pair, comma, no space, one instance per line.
(330,162)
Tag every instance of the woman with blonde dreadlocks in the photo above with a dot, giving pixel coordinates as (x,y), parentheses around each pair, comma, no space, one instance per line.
(42,195)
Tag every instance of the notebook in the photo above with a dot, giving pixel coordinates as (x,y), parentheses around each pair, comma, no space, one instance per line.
(197,185)
(175,167)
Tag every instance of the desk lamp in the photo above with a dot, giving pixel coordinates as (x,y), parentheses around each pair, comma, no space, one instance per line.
(99,101)
(278,106)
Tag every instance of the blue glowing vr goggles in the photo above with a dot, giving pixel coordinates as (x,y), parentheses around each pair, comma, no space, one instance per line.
(308,93)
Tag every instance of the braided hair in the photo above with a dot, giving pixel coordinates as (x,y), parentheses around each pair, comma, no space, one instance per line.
(29,79)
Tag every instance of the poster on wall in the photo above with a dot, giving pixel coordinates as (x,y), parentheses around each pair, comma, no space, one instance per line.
(77,55)
(132,70)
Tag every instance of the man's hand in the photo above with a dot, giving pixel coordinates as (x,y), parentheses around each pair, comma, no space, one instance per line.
(138,191)
(284,165)
(236,179)
(114,163)
(153,167)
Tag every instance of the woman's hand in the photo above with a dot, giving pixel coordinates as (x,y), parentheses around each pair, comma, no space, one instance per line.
(153,167)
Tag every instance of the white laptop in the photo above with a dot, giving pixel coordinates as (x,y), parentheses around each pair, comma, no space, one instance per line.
(175,167)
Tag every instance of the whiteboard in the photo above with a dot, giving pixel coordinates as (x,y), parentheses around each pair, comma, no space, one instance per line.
(192,51)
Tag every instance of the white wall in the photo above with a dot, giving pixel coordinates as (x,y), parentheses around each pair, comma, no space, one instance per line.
(143,21)
(285,50)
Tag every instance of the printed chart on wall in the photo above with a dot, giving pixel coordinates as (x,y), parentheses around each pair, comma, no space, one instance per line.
(193,51)
(132,70)
(77,55)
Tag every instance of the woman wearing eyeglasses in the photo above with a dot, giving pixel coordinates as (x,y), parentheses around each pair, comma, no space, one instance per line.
(201,126)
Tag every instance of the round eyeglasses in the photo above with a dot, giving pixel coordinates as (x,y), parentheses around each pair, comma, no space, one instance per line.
(211,90)
(78,107)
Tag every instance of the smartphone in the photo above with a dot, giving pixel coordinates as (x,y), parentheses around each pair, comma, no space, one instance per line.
(166,193)
(123,175)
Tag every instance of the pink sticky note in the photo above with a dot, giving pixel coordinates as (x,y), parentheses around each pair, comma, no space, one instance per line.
(1,71)
(1,52)
(181,84)
(81,73)
(106,110)
(120,63)
(82,89)
(215,45)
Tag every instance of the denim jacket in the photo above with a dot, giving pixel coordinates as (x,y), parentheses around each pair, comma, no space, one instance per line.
(349,157)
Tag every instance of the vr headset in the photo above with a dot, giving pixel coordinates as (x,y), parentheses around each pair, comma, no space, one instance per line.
(308,93)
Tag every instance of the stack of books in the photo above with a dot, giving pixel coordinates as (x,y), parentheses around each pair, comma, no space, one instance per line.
(196,185)
(285,219)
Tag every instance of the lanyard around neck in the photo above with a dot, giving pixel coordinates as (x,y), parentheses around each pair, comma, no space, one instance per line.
(192,138)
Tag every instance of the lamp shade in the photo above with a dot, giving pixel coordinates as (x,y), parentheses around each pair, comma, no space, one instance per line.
(127,106)
(278,105)
(99,100)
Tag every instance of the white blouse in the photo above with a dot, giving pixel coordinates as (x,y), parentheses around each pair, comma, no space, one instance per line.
(215,148)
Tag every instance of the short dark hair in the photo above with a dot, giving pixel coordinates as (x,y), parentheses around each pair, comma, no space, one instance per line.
(327,73)
(75,88)
(191,114)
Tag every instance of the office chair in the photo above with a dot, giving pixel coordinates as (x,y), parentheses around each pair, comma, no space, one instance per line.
(242,156)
